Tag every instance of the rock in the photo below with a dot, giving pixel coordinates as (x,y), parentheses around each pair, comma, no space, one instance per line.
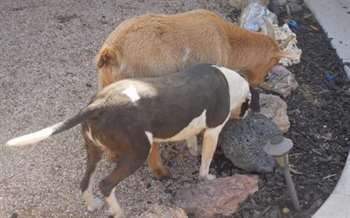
(276,5)
(162,211)
(241,4)
(242,142)
(281,2)
(288,42)
(218,196)
(235,3)
(275,108)
(281,81)
(273,212)
(295,7)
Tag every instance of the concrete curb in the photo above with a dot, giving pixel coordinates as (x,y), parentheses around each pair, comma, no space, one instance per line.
(338,203)
(334,17)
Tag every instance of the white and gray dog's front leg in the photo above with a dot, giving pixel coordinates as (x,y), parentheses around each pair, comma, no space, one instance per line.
(210,140)
(193,146)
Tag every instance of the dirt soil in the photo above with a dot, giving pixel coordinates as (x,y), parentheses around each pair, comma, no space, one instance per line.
(47,73)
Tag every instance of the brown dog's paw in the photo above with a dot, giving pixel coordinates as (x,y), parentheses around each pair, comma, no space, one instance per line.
(161,173)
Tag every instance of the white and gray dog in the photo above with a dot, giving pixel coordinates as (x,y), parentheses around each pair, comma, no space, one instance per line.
(126,117)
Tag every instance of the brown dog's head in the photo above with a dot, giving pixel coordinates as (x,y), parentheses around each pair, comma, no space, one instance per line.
(255,53)
(108,66)
(270,54)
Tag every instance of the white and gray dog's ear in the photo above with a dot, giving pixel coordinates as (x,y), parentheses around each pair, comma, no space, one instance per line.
(249,96)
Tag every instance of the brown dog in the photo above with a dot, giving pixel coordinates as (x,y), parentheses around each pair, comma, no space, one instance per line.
(126,117)
(157,44)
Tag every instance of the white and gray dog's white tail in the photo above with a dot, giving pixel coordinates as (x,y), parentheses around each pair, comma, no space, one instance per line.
(51,130)
(33,137)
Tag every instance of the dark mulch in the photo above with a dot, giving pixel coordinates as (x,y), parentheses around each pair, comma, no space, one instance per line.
(319,112)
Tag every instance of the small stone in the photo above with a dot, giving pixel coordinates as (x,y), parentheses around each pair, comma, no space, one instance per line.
(243,141)
(162,211)
(281,81)
(285,210)
(275,108)
(14,215)
(219,196)
(347,70)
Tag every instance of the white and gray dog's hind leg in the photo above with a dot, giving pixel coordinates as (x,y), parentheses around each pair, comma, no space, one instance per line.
(86,185)
(134,155)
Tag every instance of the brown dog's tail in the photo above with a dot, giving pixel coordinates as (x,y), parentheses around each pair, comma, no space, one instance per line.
(108,55)
(52,130)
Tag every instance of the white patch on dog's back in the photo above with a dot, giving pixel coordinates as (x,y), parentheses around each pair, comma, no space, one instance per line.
(131,92)
(238,86)
(149,137)
(193,128)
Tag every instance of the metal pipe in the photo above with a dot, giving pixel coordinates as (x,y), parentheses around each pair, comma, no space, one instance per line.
(291,188)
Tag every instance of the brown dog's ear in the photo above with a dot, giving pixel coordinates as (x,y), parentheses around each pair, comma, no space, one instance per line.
(106,56)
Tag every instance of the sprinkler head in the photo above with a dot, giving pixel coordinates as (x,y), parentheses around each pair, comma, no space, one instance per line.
(278,147)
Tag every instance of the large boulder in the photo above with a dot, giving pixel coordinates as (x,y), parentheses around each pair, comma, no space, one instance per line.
(218,196)
(275,108)
(242,142)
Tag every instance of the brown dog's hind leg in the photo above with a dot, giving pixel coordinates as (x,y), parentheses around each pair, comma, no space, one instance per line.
(86,185)
(155,163)
(132,156)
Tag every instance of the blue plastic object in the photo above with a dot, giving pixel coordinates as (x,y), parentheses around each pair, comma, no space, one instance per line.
(293,24)
(329,76)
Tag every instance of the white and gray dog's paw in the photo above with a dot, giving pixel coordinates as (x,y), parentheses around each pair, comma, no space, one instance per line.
(96,204)
(207,177)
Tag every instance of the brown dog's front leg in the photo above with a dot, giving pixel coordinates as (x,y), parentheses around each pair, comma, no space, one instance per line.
(155,163)
(255,102)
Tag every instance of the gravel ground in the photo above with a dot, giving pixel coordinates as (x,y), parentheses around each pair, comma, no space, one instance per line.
(47,73)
